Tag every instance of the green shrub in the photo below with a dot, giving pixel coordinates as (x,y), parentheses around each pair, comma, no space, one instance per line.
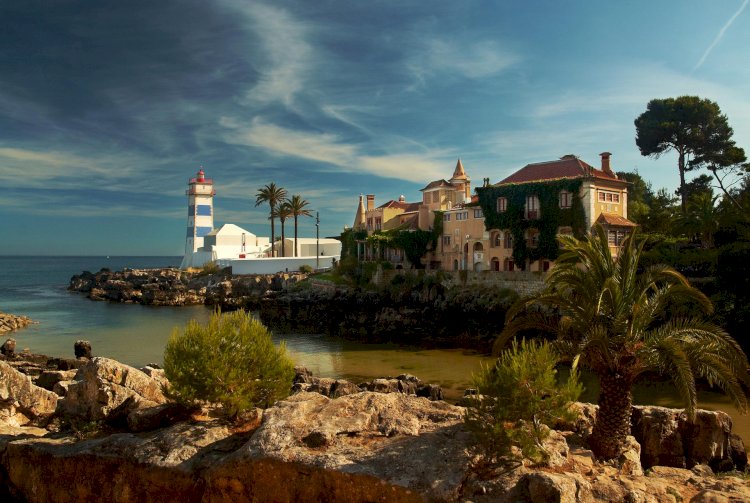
(305,268)
(232,361)
(519,398)
(209,268)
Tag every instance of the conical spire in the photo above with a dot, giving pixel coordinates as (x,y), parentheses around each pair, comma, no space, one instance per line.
(459,173)
(359,218)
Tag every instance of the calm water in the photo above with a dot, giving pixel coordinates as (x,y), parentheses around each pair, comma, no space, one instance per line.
(133,334)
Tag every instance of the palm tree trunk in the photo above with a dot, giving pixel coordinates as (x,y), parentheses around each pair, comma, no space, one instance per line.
(613,419)
(273,237)
(295,235)
(283,249)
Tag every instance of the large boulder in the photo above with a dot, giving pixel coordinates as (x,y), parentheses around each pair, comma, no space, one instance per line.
(22,402)
(668,438)
(102,386)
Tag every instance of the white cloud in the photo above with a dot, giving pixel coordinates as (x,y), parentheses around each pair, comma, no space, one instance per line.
(332,150)
(286,57)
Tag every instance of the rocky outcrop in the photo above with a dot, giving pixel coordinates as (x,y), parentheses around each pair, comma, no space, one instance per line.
(10,322)
(333,388)
(104,387)
(366,446)
(467,317)
(174,287)
(22,402)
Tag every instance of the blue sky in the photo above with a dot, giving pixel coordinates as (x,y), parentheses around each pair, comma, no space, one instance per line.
(107,108)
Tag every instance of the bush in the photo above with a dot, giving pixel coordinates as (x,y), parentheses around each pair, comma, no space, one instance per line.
(305,268)
(231,361)
(519,398)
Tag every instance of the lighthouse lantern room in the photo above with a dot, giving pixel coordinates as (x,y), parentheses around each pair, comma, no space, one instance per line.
(200,221)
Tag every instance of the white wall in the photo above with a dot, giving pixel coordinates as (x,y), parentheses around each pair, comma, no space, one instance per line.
(277,264)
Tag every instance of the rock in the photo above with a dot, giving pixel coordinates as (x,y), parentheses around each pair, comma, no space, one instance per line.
(103,385)
(630,459)
(709,496)
(364,434)
(22,402)
(61,387)
(49,378)
(10,322)
(737,452)
(550,487)
(9,347)
(82,349)
(160,416)
(667,438)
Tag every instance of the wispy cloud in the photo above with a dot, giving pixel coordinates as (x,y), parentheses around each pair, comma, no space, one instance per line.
(285,56)
(720,35)
(330,149)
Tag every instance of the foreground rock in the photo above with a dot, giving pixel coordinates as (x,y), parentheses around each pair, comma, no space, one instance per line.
(10,322)
(367,446)
(22,402)
(104,387)
(333,388)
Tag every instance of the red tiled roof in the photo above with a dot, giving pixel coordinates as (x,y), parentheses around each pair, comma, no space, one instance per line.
(436,184)
(566,167)
(615,220)
(401,205)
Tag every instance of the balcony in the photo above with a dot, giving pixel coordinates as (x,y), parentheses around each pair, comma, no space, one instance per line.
(204,181)
(532,214)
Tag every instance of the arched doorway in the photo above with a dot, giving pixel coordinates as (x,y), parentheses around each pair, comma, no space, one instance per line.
(495,264)
(478,257)
(455,264)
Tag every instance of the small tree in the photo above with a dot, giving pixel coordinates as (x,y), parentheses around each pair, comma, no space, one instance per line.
(231,361)
(519,398)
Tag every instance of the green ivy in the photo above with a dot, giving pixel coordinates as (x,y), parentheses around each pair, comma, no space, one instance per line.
(552,216)
(349,240)
(414,242)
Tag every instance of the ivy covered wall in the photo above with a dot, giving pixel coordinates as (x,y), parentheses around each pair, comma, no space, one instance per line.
(551,215)
(414,242)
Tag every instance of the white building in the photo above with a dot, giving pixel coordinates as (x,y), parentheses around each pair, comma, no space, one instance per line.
(233,246)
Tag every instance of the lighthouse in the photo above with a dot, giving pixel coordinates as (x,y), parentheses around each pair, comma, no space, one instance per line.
(200,221)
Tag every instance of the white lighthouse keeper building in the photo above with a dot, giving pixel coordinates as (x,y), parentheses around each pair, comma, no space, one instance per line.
(200,222)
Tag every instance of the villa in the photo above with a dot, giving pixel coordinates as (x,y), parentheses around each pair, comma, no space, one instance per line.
(507,226)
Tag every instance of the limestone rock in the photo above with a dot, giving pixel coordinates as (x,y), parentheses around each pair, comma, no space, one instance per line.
(103,385)
(367,433)
(630,459)
(49,378)
(9,347)
(82,349)
(21,401)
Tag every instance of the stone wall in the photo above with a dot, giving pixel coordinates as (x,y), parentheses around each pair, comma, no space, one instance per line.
(522,282)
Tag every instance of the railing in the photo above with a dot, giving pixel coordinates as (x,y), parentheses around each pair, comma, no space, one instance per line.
(205,181)
(192,192)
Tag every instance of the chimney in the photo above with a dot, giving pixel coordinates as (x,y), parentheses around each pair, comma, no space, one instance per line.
(370,202)
(605,164)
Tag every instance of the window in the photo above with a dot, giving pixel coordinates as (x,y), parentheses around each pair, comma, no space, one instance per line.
(495,239)
(532,207)
(369,224)
(426,197)
(616,237)
(447,217)
(436,197)
(508,240)
(609,197)
(462,215)
(565,199)
(502,204)
(378,222)
(532,238)
(446,240)
(478,214)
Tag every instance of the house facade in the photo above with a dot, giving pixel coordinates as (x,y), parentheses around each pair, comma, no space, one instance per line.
(510,225)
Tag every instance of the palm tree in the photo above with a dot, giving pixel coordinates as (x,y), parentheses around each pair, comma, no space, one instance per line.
(701,219)
(297,205)
(616,321)
(283,212)
(272,195)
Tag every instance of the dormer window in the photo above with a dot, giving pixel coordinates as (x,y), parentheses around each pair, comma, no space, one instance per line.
(532,208)
(502,204)
(566,199)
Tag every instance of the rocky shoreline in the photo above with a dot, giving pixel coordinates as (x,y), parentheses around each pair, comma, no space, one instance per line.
(10,322)
(174,287)
(101,430)
(430,316)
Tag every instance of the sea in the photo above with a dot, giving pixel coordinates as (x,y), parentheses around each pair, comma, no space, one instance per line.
(136,335)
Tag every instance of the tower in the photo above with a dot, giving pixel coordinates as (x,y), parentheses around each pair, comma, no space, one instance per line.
(462,182)
(200,222)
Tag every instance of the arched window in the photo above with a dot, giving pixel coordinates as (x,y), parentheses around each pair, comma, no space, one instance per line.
(508,240)
(495,239)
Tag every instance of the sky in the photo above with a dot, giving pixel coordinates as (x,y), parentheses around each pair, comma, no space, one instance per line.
(108,108)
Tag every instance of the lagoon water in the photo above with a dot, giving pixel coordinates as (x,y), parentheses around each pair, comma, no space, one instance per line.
(136,335)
